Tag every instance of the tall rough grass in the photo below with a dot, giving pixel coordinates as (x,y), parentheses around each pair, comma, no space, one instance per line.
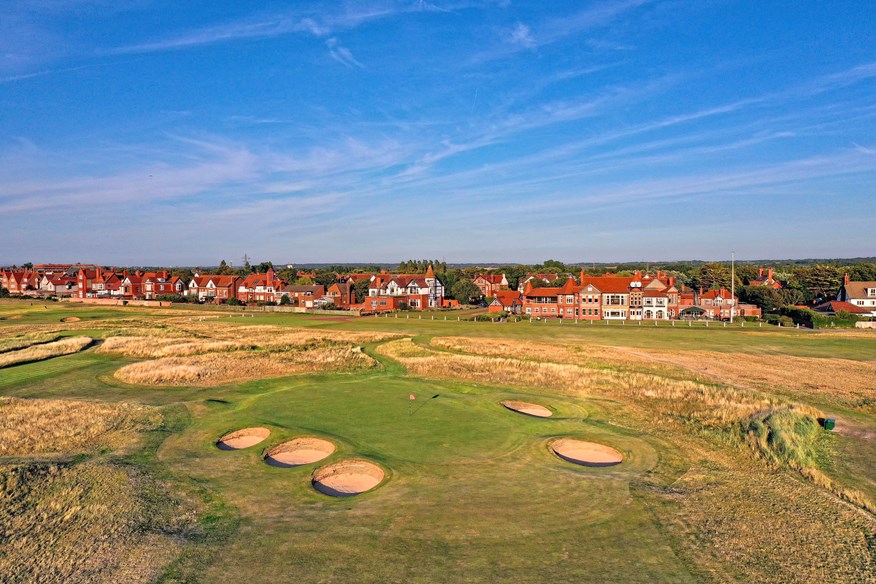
(214,368)
(154,348)
(26,340)
(43,426)
(65,346)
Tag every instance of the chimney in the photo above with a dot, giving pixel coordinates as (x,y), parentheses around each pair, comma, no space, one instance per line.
(771,274)
(846,279)
(759,273)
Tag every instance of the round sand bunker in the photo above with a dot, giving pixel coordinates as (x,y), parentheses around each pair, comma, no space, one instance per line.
(347,478)
(299,451)
(243,438)
(528,408)
(586,453)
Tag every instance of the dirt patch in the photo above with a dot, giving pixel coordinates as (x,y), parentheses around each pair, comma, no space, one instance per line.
(243,438)
(298,452)
(586,453)
(71,319)
(527,408)
(347,478)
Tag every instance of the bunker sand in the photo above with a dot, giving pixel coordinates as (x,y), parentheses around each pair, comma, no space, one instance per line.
(528,408)
(586,453)
(347,478)
(298,452)
(243,438)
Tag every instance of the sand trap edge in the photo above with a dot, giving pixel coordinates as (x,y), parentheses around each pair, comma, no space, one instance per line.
(612,456)
(326,448)
(374,476)
(243,438)
(521,407)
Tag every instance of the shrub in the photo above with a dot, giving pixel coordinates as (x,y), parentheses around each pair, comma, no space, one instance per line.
(171,298)
(233,302)
(285,300)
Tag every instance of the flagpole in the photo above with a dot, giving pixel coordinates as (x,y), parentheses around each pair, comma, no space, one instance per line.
(732,284)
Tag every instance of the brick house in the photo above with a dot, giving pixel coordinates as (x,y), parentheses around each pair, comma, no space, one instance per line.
(490,284)
(766,279)
(510,301)
(213,288)
(341,294)
(304,295)
(261,288)
(416,291)
(161,283)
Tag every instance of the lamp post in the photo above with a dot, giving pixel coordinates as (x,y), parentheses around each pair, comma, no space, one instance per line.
(732,285)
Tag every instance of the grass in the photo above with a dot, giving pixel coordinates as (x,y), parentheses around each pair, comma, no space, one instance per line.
(40,352)
(727,476)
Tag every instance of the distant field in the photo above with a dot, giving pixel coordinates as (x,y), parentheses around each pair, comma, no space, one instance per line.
(726,475)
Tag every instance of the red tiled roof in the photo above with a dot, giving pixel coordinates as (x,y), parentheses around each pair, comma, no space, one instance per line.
(836,306)
(508,297)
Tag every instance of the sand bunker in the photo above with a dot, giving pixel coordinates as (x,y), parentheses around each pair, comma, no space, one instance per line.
(299,451)
(70,319)
(347,478)
(528,408)
(243,438)
(586,453)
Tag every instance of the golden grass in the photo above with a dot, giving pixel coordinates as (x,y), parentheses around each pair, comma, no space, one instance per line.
(215,369)
(736,522)
(30,427)
(158,347)
(270,336)
(832,381)
(89,522)
(26,340)
(65,346)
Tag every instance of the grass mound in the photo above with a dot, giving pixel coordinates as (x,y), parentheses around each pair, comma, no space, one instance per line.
(158,347)
(66,346)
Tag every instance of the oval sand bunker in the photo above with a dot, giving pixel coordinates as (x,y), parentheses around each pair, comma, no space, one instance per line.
(586,453)
(347,478)
(243,438)
(70,319)
(299,451)
(528,408)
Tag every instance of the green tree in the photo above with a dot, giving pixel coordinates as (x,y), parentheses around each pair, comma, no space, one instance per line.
(464,290)
(264,267)
(284,300)
(224,269)
(324,277)
(821,281)
(360,290)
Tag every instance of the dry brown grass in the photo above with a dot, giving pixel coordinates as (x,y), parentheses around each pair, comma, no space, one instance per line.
(31,427)
(26,340)
(831,381)
(215,369)
(736,522)
(591,356)
(65,346)
(158,347)
(89,522)
(269,336)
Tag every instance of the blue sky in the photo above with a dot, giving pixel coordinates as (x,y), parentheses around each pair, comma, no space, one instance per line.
(179,133)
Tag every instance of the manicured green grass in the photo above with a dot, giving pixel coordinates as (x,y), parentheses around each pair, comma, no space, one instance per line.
(472,491)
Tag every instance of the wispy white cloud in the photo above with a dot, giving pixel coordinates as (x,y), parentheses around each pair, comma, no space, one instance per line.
(522,35)
(342,54)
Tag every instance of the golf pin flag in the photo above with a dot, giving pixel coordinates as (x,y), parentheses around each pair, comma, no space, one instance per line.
(412,397)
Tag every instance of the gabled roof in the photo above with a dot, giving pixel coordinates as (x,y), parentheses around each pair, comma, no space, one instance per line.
(542,292)
(491,278)
(836,306)
(712,294)
(507,297)
(858,289)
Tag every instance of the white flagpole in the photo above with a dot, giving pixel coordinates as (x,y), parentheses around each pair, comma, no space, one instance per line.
(732,285)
